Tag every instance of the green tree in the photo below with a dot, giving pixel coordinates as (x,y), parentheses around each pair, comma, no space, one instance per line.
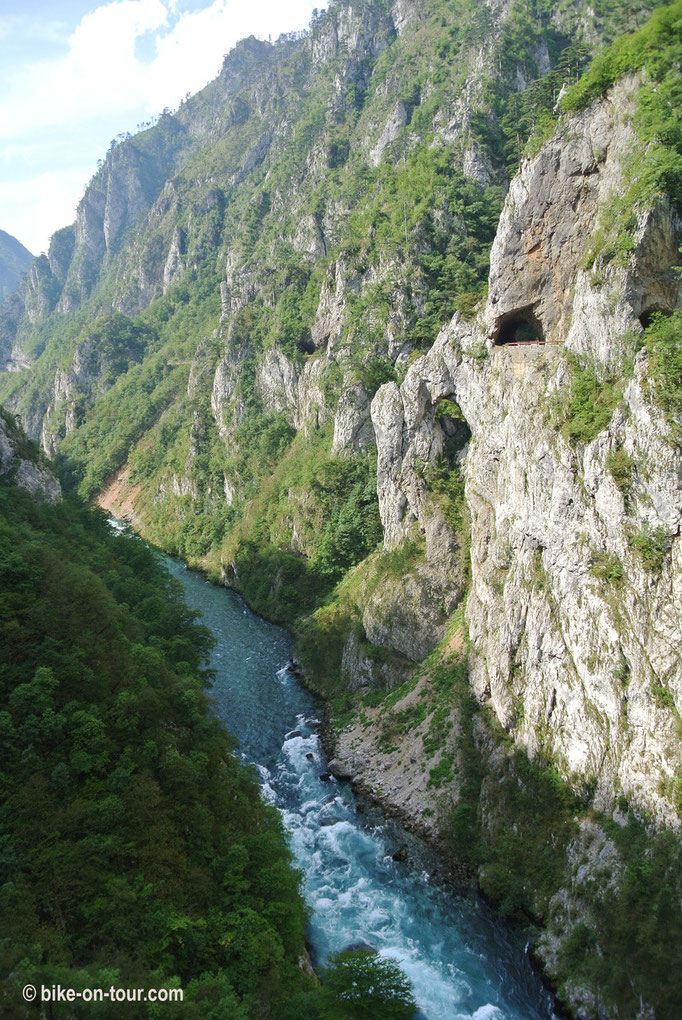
(361,985)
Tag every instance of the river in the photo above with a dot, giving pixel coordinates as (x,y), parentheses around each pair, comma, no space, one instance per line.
(463,962)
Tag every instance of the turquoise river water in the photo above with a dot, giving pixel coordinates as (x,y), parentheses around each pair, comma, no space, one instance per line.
(463,962)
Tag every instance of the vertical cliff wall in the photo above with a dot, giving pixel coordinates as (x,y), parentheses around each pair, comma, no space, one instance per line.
(573,617)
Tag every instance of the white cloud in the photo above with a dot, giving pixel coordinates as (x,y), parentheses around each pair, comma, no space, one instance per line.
(48,199)
(101,71)
(191,54)
(99,77)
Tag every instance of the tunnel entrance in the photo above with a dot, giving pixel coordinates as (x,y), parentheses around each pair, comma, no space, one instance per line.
(647,316)
(518,331)
(305,343)
(520,327)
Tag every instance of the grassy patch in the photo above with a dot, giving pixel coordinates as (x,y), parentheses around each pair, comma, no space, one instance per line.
(590,404)
(607,567)
(652,545)
(621,467)
(442,772)
(663,342)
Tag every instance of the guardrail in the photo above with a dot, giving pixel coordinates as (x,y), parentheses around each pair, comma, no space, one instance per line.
(529,343)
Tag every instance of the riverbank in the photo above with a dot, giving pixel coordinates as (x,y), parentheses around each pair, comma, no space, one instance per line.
(393,780)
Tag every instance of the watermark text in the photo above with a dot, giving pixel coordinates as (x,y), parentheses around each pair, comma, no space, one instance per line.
(56,993)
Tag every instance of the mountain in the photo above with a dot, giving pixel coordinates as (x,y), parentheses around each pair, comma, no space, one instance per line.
(382,329)
(15,260)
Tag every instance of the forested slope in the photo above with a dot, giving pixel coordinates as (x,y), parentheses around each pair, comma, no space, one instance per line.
(136,849)
(137,852)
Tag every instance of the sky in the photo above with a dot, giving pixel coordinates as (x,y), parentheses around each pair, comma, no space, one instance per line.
(75,73)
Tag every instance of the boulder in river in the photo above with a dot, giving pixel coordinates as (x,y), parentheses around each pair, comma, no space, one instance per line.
(338,769)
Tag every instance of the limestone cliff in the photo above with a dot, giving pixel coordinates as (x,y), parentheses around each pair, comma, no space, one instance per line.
(22,464)
(574,621)
(571,662)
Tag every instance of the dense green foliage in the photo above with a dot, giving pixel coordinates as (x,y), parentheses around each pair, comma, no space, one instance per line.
(523,858)
(624,948)
(135,849)
(427,210)
(358,984)
(138,398)
(340,527)
(369,987)
(651,47)
(663,343)
(636,929)
(589,407)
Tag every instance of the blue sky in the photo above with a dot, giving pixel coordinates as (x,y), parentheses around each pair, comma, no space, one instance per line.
(73,74)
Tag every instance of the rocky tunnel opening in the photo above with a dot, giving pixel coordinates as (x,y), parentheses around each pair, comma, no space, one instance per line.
(305,344)
(519,327)
(649,314)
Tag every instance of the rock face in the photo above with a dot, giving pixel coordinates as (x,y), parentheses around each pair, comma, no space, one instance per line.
(23,465)
(99,356)
(353,432)
(396,121)
(572,663)
(555,205)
